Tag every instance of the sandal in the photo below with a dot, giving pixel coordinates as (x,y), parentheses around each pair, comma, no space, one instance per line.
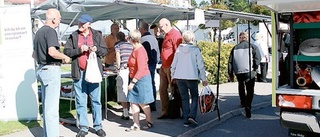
(132,128)
(148,125)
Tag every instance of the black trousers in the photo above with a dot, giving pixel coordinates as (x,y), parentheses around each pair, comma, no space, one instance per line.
(263,71)
(246,82)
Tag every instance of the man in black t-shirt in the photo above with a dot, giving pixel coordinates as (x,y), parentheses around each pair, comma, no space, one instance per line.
(47,54)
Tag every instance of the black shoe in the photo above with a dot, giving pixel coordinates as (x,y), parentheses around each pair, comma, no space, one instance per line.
(125,118)
(187,124)
(82,133)
(101,133)
(248,112)
(163,117)
(192,121)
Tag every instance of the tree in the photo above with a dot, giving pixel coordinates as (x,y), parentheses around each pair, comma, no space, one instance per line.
(160,1)
(194,3)
(257,9)
(224,23)
(204,4)
(213,2)
(239,5)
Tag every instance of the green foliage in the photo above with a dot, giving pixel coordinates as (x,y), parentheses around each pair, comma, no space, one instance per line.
(220,6)
(239,5)
(202,26)
(209,51)
(194,3)
(204,4)
(226,24)
(8,127)
(257,9)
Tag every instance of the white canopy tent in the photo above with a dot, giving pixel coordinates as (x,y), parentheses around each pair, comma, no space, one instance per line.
(280,6)
(118,9)
(150,12)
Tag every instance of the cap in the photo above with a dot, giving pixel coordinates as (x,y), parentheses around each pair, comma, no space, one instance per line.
(85,18)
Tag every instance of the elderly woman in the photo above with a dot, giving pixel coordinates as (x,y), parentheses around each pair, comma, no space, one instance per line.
(140,88)
(186,69)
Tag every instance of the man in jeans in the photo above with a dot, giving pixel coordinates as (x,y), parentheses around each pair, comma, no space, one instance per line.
(46,52)
(78,47)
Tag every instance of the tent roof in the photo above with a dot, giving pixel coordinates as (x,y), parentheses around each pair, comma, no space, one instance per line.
(232,15)
(290,5)
(119,9)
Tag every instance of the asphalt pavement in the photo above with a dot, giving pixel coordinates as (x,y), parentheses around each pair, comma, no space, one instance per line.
(263,123)
(115,126)
(228,104)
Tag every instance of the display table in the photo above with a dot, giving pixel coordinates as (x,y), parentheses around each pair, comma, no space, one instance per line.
(107,74)
(70,96)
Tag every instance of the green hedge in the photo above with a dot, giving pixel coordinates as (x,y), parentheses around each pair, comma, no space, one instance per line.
(209,51)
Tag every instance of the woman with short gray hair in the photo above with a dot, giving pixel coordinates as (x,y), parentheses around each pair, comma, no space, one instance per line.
(189,63)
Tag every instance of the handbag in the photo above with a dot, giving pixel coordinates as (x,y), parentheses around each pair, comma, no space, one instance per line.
(93,74)
(174,105)
(206,100)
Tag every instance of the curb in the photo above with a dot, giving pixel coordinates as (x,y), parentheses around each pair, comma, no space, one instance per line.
(223,117)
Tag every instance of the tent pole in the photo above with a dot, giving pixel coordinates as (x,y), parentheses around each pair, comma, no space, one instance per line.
(187,21)
(157,17)
(249,41)
(218,71)
(125,27)
(204,24)
(265,24)
(64,32)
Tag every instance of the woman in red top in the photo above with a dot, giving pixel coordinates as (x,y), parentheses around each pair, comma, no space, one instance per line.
(140,88)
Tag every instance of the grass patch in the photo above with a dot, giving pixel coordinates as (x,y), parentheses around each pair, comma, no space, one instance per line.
(16,126)
(64,111)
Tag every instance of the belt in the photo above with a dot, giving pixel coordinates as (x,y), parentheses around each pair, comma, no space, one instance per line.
(53,64)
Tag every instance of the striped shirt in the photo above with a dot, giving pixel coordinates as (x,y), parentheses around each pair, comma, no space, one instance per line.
(125,49)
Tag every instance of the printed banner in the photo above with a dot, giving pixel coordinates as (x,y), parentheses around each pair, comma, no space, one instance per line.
(18,84)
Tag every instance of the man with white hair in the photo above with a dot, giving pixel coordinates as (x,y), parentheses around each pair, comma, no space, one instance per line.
(78,46)
(263,48)
(170,44)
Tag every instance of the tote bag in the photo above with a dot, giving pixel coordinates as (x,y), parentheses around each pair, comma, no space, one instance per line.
(93,74)
(206,100)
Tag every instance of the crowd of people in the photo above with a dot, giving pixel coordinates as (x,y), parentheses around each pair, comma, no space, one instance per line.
(134,57)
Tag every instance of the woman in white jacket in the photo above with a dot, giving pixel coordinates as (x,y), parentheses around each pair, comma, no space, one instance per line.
(187,69)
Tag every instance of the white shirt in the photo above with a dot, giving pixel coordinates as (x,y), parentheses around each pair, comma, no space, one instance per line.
(263,49)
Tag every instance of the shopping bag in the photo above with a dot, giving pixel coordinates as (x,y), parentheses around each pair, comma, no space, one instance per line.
(93,74)
(206,100)
(174,105)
